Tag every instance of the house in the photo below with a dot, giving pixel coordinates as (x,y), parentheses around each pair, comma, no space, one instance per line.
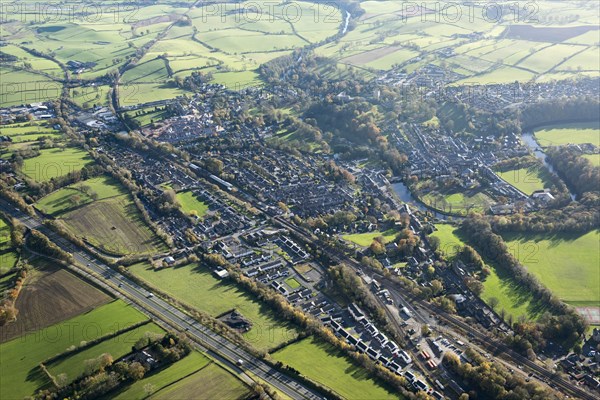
(543,196)
(420,385)
(596,335)
(222,273)
(362,346)
(405,357)
(356,312)
(372,353)
(409,376)
(169,260)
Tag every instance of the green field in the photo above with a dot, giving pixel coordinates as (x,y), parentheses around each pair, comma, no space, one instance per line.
(74,365)
(556,135)
(191,205)
(4,235)
(135,93)
(527,180)
(114,225)
(566,264)
(8,258)
(37,63)
(450,242)
(593,158)
(365,239)
(211,382)
(6,282)
(149,116)
(511,297)
(383,38)
(53,163)
(26,87)
(20,357)
(62,200)
(89,96)
(197,287)
(321,363)
(28,132)
(184,375)
(232,48)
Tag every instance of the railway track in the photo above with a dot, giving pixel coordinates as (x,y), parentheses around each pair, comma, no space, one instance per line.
(491,345)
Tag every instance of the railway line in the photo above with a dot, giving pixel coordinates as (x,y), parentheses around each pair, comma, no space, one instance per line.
(491,345)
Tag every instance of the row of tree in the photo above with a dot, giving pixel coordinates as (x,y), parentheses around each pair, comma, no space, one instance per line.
(577,217)
(578,171)
(487,380)
(40,242)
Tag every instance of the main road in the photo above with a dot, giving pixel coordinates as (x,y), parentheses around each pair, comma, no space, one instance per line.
(161,311)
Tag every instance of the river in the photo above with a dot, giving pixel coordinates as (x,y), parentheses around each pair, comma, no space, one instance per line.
(529,139)
(406,196)
(348,15)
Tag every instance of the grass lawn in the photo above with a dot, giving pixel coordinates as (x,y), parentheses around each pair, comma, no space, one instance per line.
(211,382)
(118,346)
(450,243)
(53,163)
(511,297)
(457,203)
(556,135)
(191,205)
(321,363)
(8,260)
(164,377)
(293,283)
(20,357)
(527,180)
(365,239)
(566,264)
(515,300)
(197,287)
(60,201)
(114,225)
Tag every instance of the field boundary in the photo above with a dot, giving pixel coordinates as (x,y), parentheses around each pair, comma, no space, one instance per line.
(94,342)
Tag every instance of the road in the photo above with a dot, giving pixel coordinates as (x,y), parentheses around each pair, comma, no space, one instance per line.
(161,311)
